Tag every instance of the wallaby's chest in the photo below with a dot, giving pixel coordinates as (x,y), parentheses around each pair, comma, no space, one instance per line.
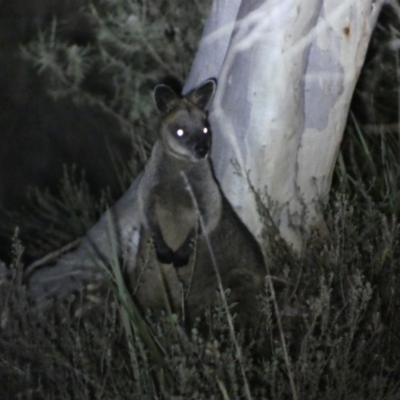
(175,213)
(176,194)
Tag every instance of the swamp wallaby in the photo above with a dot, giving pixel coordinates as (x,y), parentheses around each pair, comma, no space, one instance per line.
(188,228)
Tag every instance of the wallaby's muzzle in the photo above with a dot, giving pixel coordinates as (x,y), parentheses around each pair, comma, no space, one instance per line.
(202,148)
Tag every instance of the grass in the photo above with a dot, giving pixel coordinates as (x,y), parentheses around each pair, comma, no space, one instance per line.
(330,323)
(335,316)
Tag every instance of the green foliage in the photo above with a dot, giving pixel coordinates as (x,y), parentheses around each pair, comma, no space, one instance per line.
(52,221)
(136,45)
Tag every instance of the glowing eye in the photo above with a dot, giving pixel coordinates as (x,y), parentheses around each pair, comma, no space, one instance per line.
(205,130)
(180,132)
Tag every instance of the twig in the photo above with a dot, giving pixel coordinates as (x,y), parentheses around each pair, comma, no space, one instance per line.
(51,256)
(221,289)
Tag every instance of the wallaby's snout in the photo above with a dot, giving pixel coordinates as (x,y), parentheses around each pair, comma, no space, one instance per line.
(202,148)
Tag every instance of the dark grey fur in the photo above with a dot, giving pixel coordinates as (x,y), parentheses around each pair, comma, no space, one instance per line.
(188,228)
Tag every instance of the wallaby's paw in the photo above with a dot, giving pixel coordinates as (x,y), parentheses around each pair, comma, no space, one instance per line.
(182,255)
(164,254)
(180,261)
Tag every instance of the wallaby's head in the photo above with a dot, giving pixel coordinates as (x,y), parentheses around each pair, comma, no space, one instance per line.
(185,133)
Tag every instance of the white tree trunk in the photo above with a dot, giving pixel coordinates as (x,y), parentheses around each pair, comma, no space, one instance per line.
(284,87)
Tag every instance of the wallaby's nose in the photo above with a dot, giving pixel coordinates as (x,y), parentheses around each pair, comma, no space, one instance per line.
(202,149)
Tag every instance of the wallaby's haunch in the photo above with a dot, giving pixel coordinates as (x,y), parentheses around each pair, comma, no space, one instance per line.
(191,227)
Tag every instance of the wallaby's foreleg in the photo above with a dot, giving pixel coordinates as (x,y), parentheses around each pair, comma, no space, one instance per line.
(164,253)
(182,255)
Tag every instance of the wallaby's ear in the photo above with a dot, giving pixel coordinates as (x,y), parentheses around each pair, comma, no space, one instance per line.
(165,98)
(203,94)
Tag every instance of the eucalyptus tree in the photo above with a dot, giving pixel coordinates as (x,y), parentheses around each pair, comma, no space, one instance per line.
(287,72)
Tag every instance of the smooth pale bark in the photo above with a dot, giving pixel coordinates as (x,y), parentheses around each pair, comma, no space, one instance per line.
(284,91)
(286,72)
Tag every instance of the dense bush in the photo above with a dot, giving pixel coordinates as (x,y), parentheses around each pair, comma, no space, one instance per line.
(329,324)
